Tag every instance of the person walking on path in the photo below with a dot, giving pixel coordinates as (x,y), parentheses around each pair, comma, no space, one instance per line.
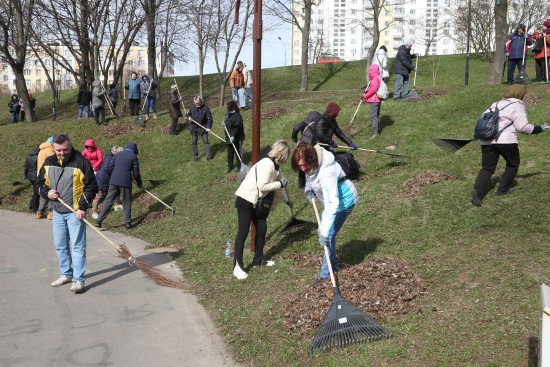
(15,107)
(200,112)
(174,108)
(247,75)
(30,174)
(126,170)
(98,102)
(148,90)
(234,124)
(46,150)
(380,58)
(512,119)
(516,50)
(103,177)
(327,127)
(542,57)
(403,67)
(134,94)
(264,177)
(93,154)
(370,96)
(236,81)
(326,182)
(70,177)
(84,99)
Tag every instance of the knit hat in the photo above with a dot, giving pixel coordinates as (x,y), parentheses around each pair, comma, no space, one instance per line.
(546,23)
(515,91)
(174,87)
(50,140)
(409,42)
(332,109)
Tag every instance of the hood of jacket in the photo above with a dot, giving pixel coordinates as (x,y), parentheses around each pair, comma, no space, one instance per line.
(96,83)
(332,110)
(33,151)
(45,145)
(374,71)
(145,77)
(133,147)
(89,143)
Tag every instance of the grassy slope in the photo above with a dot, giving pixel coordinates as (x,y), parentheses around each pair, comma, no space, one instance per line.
(483,265)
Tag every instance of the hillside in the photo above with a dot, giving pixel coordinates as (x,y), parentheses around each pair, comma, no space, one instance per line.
(481,267)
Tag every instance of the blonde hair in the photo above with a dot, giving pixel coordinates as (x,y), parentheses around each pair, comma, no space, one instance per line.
(279,151)
(116,149)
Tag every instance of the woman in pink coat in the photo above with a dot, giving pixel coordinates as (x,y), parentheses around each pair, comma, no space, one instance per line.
(93,154)
(372,99)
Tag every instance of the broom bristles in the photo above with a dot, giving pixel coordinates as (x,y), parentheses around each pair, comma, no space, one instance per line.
(150,272)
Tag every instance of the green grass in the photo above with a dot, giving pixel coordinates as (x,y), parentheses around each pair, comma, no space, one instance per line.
(483,266)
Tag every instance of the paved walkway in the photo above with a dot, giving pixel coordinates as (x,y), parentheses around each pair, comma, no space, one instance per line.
(121,319)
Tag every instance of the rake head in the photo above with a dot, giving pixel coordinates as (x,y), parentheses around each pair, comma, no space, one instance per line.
(242,173)
(452,145)
(298,225)
(413,96)
(345,325)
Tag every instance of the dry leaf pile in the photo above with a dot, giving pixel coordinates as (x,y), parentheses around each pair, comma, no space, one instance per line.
(431,93)
(273,113)
(9,199)
(531,99)
(382,287)
(113,130)
(415,184)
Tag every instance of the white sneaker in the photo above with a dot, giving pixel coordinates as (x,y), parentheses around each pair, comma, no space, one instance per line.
(239,273)
(62,280)
(77,286)
(95,215)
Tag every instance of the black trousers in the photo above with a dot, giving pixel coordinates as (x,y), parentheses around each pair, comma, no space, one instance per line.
(489,159)
(512,65)
(231,154)
(539,68)
(194,139)
(35,199)
(174,126)
(245,215)
(112,195)
(134,106)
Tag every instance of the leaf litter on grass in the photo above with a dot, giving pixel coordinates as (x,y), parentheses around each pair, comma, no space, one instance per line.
(273,113)
(414,185)
(9,199)
(382,287)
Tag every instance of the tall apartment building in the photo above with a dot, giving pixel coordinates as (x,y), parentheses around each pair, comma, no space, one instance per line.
(338,28)
(37,81)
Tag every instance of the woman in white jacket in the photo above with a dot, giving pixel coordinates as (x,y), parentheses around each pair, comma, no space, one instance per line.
(326,182)
(511,120)
(265,176)
(380,58)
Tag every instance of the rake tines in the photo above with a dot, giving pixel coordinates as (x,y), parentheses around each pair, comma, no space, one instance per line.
(345,325)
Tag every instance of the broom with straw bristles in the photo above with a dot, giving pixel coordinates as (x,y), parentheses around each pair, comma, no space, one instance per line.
(150,272)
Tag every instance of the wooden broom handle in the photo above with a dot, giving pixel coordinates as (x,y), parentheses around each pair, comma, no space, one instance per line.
(211,132)
(327,255)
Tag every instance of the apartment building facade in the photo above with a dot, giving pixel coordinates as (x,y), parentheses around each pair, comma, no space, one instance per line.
(340,28)
(37,80)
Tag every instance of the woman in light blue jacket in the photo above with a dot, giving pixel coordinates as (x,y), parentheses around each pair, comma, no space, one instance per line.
(134,94)
(326,182)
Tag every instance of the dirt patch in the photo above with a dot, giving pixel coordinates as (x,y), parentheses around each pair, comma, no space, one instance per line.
(273,113)
(431,93)
(531,99)
(350,130)
(414,185)
(382,287)
(146,200)
(154,216)
(9,199)
(113,130)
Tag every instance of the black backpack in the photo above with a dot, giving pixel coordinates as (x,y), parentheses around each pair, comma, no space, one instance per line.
(348,163)
(539,44)
(487,125)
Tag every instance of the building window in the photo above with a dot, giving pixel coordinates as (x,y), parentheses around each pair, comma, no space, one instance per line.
(38,72)
(27,72)
(353,41)
(386,33)
(140,53)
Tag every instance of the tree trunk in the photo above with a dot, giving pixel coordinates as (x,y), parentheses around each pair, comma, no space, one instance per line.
(22,91)
(305,44)
(375,38)
(501,33)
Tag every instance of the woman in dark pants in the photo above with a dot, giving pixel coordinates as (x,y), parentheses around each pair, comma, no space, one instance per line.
(234,124)
(265,176)
(512,119)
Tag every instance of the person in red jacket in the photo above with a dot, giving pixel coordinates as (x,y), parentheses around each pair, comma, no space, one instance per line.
(542,57)
(93,154)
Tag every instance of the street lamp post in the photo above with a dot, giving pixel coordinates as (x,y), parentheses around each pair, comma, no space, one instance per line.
(469,31)
(55,44)
(284,47)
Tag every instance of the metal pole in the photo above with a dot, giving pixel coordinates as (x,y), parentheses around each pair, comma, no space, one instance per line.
(53,90)
(468,42)
(284,47)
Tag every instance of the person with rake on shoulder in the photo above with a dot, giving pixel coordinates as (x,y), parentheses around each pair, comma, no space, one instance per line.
(326,182)
(68,176)
(512,119)
(264,179)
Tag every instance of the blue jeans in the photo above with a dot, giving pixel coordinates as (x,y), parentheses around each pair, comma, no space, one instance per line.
(338,223)
(14,116)
(86,109)
(237,94)
(248,93)
(67,231)
(150,103)
(401,81)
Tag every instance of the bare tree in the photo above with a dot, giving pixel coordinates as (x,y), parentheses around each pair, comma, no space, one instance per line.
(172,34)
(228,38)
(15,24)
(151,8)
(501,32)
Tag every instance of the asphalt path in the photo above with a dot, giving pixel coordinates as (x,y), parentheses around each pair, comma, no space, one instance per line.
(121,318)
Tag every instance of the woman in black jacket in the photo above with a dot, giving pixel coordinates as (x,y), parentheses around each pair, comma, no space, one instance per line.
(83,99)
(30,174)
(234,124)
